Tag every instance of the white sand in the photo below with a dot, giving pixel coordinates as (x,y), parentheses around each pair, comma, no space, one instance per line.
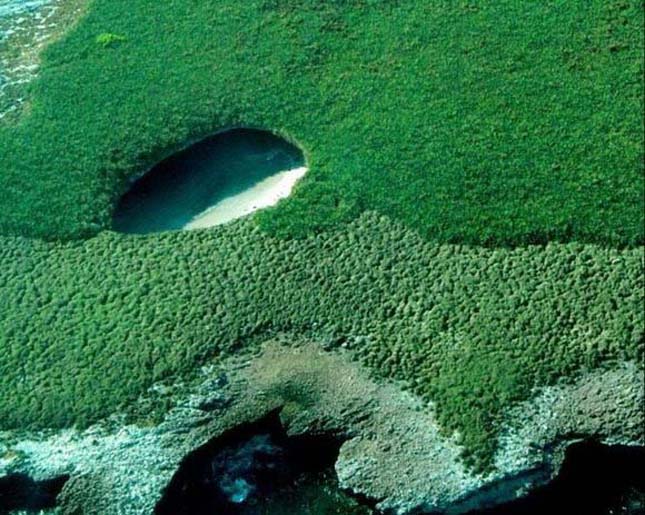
(263,194)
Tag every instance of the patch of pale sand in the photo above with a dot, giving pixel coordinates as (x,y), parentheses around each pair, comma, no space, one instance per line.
(265,193)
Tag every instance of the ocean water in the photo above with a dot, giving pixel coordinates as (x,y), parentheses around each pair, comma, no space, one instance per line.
(258,469)
(14,7)
(270,474)
(25,27)
(595,482)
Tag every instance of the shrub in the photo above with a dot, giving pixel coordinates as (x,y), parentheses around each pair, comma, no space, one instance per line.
(108,39)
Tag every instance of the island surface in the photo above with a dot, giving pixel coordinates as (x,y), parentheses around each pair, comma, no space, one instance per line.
(452,290)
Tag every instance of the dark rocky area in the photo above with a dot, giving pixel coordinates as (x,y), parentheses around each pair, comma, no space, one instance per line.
(20,492)
(258,468)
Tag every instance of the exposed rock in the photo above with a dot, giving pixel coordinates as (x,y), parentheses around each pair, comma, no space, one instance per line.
(394,451)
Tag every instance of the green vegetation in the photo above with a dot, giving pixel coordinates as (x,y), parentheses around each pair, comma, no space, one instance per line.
(107,39)
(424,123)
(87,327)
(504,123)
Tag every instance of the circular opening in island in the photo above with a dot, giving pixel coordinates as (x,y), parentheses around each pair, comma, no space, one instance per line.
(215,181)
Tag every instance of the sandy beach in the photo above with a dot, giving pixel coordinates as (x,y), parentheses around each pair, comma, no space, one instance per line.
(265,193)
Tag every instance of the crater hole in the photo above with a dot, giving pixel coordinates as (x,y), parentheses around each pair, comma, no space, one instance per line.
(221,178)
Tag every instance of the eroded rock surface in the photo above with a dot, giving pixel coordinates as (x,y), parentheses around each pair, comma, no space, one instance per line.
(394,452)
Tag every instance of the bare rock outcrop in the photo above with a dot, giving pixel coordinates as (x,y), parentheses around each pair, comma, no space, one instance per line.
(394,451)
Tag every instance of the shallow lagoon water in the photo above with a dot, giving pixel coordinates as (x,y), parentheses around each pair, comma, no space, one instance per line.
(212,182)
(26,26)
(12,7)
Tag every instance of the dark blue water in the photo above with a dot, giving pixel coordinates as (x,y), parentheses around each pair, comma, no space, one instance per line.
(20,492)
(594,479)
(256,469)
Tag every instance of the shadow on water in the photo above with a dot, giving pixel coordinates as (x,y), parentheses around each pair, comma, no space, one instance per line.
(595,479)
(257,469)
(188,183)
(20,492)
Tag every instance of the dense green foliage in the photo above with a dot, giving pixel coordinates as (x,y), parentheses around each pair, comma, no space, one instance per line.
(498,123)
(107,39)
(87,327)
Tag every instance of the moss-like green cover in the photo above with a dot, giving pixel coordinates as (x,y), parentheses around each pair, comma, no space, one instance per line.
(501,124)
(87,327)
(507,122)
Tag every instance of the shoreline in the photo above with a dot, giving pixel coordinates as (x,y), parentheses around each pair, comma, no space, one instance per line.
(263,194)
(26,28)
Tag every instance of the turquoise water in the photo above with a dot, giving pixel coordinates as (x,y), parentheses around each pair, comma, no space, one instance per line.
(13,7)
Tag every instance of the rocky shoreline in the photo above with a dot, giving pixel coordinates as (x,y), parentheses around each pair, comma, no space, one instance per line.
(394,452)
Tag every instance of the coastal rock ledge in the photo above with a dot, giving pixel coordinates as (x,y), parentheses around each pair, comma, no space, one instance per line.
(393,450)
